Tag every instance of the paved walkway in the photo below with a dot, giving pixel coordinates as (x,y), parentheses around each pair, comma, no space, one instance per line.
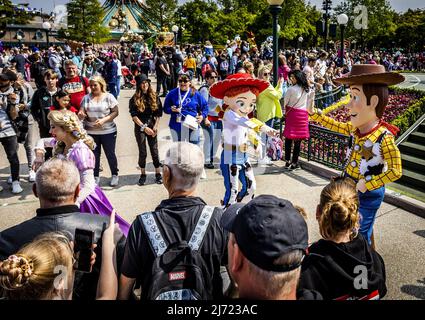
(414,81)
(400,236)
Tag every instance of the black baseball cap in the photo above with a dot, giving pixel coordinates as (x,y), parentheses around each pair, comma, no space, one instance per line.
(265,229)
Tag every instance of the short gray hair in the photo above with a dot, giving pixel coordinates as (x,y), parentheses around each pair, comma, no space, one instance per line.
(272,283)
(56,180)
(186,162)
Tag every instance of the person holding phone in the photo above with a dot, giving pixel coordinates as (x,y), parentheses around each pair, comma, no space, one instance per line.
(182,102)
(268,106)
(37,264)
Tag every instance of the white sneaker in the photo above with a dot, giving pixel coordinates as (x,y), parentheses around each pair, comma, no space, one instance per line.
(16,187)
(203,174)
(31,176)
(9,180)
(114,181)
(1,188)
(97,179)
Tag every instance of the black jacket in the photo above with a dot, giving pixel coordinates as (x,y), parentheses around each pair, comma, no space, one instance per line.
(40,107)
(64,219)
(329,268)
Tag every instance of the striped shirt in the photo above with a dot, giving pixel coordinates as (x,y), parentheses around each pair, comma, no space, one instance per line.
(96,110)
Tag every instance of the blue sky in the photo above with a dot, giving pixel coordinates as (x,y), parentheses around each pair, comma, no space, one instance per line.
(398,5)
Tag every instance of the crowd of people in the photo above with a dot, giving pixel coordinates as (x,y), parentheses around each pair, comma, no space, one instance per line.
(235,258)
(74,106)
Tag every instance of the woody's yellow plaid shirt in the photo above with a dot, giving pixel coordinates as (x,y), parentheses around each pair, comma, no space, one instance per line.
(389,151)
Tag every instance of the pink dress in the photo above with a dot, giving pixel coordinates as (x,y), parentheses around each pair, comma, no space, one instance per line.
(91,199)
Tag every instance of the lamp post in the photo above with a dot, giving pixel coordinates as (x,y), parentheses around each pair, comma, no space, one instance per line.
(47,26)
(175,29)
(342,21)
(300,40)
(275,9)
(327,6)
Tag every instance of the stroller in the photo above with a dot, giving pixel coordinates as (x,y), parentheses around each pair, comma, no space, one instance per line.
(129,81)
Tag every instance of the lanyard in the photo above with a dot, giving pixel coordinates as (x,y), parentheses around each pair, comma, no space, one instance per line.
(184,98)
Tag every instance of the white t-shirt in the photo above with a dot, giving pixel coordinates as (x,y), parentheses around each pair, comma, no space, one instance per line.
(98,110)
(296,97)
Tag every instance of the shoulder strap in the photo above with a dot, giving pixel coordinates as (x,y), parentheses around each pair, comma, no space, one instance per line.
(154,235)
(201,227)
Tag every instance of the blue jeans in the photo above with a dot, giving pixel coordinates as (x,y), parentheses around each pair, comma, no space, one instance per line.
(186,134)
(370,201)
(212,136)
(112,87)
(238,159)
(118,85)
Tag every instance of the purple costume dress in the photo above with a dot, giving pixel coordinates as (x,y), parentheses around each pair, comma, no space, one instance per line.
(91,199)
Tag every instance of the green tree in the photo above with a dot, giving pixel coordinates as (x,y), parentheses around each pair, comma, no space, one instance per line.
(224,19)
(410,30)
(13,15)
(381,18)
(85,22)
(199,20)
(162,11)
(296,19)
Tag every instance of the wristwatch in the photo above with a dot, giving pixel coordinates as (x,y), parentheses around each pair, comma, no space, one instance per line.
(143,127)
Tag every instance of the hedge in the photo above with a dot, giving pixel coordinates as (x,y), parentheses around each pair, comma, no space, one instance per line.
(413,113)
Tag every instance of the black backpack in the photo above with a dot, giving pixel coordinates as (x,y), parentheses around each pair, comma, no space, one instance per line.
(179,272)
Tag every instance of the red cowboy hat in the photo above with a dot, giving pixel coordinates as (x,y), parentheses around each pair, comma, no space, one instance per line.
(218,90)
(370,74)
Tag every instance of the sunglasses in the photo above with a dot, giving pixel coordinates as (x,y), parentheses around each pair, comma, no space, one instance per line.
(183,81)
(266,74)
(213,77)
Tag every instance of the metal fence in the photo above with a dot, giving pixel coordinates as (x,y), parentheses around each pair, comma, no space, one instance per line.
(325,99)
(326,147)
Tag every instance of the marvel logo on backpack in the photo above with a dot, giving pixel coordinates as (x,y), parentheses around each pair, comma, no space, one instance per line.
(179,271)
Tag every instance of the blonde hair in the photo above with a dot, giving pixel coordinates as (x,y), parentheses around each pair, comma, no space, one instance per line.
(339,206)
(248,65)
(31,273)
(69,122)
(263,69)
(100,81)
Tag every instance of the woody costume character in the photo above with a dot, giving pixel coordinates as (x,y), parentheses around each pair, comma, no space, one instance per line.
(239,94)
(372,158)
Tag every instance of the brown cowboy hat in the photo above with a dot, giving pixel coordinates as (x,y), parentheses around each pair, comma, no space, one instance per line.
(370,74)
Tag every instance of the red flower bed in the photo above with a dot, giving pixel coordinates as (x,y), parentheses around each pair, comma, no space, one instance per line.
(397,104)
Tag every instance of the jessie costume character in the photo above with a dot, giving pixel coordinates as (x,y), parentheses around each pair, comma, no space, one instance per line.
(372,158)
(239,94)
